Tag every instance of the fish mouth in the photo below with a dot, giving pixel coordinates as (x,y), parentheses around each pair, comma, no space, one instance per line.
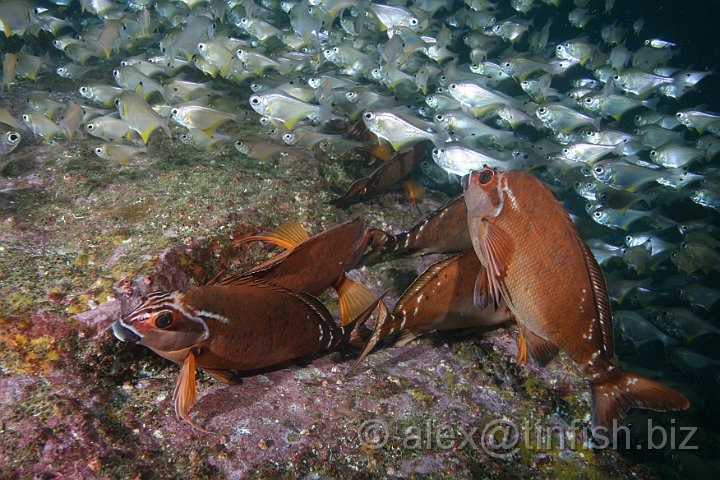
(123,333)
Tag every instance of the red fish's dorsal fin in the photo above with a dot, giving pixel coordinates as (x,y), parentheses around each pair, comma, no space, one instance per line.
(185,392)
(423,280)
(286,236)
(497,248)
(600,295)
(354,299)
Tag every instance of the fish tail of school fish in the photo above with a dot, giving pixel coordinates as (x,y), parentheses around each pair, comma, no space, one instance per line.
(616,391)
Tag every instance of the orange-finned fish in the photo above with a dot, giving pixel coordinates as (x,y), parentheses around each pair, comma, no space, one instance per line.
(398,168)
(443,231)
(332,253)
(536,261)
(231,327)
(260,319)
(439,299)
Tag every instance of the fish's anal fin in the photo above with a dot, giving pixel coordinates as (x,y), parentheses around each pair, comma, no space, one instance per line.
(185,392)
(481,293)
(354,300)
(540,349)
(228,377)
(522,349)
(383,325)
(498,249)
(406,336)
(287,235)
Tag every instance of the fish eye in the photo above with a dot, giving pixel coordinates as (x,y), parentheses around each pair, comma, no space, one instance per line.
(616,77)
(83,89)
(116,73)
(117,102)
(684,228)
(508,65)
(99,150)
(684,246)
(413,22)
(524,83)
(628,239)
(559,48)
(164,320)
(653,153)
(542,110)
(13,137)
(678,115)
(90,126)
(174,111)
(336,50)
(485,176)
(453,86)
(184,136)
(588,100)
(597,214)
(599,170)
(566,151)
(255,100)
(439,117)
(26,117)
(368,115)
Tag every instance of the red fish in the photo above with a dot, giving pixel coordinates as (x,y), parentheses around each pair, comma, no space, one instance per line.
(536,261)
(257,320)
(443,231)
(332,252)
(439,299)
(397,168)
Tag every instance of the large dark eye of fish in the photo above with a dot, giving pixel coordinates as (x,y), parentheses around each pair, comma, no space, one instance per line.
(164,320)
(485,176)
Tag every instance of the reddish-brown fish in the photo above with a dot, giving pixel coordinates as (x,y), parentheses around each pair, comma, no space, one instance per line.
(443,231)
(536,261)
(439,299)
(397,168)
(314,264)
(243,325)
(261,318)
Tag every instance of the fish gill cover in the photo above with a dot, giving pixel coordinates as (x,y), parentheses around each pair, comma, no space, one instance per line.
(142,140)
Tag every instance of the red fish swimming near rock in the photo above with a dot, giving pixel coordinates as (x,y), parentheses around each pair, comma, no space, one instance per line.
(254,321)
(537,263)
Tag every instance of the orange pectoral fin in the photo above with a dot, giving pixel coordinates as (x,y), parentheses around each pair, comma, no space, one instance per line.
(286,236)
(497,248)
(185,391)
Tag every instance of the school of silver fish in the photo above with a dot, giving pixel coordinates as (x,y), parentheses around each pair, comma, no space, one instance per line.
(601,120)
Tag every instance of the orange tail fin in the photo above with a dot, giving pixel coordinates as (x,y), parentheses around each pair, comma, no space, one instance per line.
(619,391)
